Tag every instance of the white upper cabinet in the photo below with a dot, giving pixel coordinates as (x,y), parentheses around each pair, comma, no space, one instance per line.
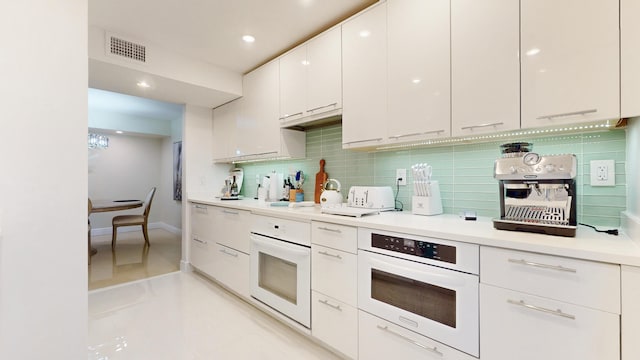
(311,80)
(418,69)
(570,61)
(364,78)
(630,57)
(485,67)
(258,127)
(224,130)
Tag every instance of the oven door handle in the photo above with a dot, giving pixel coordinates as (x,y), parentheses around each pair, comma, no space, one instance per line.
(278,246)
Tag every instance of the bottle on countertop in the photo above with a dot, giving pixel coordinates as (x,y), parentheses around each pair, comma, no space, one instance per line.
(234,187)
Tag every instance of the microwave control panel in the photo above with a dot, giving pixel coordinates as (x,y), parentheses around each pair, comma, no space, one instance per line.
(424,249)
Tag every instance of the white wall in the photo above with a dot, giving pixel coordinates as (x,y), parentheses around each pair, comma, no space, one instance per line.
(127,169)
(170,209)
(43,181)
(200,174)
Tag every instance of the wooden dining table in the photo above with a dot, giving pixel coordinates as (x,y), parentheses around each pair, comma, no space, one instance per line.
(100,206)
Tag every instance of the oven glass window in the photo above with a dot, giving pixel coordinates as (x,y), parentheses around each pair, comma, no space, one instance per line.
(426,300)
(279,277)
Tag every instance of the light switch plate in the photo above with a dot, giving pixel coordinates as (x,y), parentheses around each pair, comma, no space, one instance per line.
(603,172)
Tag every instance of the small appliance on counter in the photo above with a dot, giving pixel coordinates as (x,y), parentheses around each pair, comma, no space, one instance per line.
(426,199)
(537,192)
(331,193)
(232,185)
(371,197)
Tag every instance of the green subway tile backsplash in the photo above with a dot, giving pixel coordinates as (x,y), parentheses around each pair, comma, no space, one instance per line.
(465,171)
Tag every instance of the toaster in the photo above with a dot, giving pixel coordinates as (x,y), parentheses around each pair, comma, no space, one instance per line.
(371,197)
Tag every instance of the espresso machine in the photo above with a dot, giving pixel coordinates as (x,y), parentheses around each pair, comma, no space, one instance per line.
(537,192)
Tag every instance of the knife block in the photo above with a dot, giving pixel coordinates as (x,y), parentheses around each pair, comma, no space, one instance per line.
(428,205)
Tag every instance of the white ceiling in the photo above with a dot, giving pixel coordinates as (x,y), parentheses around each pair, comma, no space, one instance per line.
(211,31)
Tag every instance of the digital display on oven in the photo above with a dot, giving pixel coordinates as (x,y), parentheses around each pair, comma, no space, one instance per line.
(424,249)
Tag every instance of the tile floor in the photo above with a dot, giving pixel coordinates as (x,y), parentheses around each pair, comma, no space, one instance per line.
(131,259)
(185,316)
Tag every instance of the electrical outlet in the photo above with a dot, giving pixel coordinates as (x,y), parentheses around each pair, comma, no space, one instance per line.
(603,172)
(401,174)
(257,179)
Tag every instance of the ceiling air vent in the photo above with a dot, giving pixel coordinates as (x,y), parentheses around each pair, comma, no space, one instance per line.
(125,48)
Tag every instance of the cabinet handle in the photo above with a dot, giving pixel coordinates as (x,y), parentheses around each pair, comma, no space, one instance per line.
(326,302)
(228,253)
(322,107)
(329,229)
(231,212)
(418,133)
(543,266)
(328,254)
(288,116)
(544,310)
(480,126)
(411,341)
(361,141)
(582,112)
(198,240)
(201,207)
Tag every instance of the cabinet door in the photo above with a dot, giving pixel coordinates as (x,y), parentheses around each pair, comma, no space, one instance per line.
(419,69)
(381,340)
(258,129)
(335,323)
(324,71)
(485,67)
(230,226)
(570,61)
(364,78)
(334,273)
(201,244)
(293,84)
(232,269)
(224,130)
(630,57)
(520,326)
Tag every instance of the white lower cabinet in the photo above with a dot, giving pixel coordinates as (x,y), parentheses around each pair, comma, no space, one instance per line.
(202,254)
(515,325)
(232,269)
(335,323)
(380,339)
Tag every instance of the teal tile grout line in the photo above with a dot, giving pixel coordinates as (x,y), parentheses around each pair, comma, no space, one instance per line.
(465,171)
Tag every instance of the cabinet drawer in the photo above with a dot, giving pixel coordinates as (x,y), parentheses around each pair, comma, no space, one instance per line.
(519,326)
(230,228)
(588,283)
(380,339)
(335,323)
(334,273)
(339,237)
(232,269)
(201,221)
(202,255)
(288,230)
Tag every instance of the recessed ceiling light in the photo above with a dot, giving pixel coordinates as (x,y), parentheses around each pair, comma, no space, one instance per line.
(248,38)
(364,33)
(143,84)
(533,51)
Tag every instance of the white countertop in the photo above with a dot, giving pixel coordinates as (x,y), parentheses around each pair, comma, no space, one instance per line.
(587,244)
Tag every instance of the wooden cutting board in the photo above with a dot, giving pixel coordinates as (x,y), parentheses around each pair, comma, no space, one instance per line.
(321,178)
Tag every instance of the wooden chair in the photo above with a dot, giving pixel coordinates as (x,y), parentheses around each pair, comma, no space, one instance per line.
(133,220)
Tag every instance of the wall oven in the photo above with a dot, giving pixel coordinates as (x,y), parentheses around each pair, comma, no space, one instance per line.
(280,267)
(426,285)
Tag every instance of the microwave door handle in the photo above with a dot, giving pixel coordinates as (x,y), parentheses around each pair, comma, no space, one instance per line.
(424,276)
(275,246)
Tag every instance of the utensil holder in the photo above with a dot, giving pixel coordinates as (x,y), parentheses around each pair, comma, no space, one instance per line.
(428,205)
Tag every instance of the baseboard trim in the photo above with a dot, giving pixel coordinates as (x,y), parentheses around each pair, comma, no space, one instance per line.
(157,225)
(630,225)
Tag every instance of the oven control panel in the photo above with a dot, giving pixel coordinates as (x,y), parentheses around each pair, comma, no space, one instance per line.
(424,249)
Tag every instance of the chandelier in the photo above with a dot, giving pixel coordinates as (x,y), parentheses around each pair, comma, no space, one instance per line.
(96,141)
